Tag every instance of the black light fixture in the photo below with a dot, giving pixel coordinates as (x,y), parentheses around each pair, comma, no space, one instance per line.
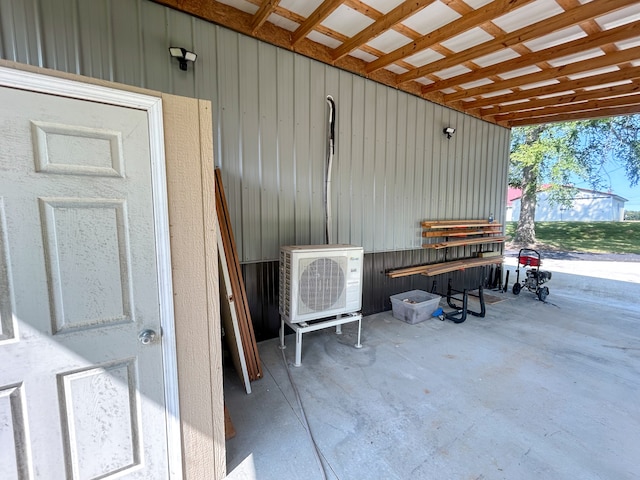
(183,55)
(449,131)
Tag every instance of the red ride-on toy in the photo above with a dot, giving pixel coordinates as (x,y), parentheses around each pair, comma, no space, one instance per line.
(534,276)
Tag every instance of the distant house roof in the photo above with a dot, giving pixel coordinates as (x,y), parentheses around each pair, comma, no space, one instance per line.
(512,194)
(516,193)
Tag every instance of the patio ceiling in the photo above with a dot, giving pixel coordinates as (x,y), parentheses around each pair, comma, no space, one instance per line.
(510,62)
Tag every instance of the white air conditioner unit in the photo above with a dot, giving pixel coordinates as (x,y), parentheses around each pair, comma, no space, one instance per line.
(319,281)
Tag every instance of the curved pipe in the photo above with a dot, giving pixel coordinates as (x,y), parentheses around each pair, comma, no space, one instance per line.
(332,132)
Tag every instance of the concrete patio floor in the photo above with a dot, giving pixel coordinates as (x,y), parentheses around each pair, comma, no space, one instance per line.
(532,391)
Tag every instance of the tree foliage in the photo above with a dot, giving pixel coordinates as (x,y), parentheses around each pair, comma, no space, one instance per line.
(553,154)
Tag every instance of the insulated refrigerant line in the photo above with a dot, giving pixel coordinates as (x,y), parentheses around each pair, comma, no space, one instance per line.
(332,132)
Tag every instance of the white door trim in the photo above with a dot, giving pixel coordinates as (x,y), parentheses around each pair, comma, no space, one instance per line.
(153,106)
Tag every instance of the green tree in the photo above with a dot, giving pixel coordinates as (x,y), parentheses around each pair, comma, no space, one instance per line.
(553,154)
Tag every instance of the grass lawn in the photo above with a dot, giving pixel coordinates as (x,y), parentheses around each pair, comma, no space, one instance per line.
(596,237)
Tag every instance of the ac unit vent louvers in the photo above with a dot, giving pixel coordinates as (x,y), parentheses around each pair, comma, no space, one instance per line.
(322,284)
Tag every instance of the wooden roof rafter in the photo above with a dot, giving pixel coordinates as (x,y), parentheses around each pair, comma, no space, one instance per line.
(507,61)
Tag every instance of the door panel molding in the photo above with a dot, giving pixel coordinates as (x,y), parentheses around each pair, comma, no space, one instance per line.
(41,83)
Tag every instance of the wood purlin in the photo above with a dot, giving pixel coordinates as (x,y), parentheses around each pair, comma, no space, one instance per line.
(323,11)
(536,30)
(466,22)
(625,100)
(596,40)
(266,8)
(581,96)
(395,16)
(568,117)
(593,81)
(611,59)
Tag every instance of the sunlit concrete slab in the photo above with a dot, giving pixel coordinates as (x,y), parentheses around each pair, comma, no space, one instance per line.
(533,390)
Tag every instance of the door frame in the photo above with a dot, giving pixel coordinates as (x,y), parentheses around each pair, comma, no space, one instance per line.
(41,83)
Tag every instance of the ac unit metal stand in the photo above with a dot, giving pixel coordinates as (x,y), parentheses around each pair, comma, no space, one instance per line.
(304,327)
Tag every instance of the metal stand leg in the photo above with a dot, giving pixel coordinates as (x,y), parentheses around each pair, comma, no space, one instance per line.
(304,327)
(359,345)
(282,345)
(298,348)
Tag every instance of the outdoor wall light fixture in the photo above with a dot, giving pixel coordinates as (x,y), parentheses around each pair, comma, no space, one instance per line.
(183,55)
(449,131)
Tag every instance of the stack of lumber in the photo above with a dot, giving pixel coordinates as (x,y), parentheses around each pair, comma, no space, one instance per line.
(245,349)
(457,233)
(444,267)
(460,233)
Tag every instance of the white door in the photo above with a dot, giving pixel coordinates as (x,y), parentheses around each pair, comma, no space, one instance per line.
(82,388)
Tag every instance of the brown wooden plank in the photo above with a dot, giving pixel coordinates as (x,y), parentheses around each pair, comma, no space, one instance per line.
(439,269)
(458,224)
(229,430)
(444,267)
(463,233)
(464,242)
(254,366)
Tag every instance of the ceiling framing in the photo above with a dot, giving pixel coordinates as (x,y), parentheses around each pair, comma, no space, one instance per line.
(510,62)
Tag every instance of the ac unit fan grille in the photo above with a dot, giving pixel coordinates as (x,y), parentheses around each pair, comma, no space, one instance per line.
(321,285)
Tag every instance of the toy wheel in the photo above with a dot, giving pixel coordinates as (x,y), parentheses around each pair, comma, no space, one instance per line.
(543,293)
(516,288)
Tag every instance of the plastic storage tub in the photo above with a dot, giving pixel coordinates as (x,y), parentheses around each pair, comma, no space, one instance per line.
(415,306)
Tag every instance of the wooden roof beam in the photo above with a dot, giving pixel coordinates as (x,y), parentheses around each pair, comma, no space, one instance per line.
(395,16)
(596,40)
(621,101)
(266,8)
(615,58)
(463,24)
(325,9)
(568,117)
(592,81)
(492,112)
(536,30)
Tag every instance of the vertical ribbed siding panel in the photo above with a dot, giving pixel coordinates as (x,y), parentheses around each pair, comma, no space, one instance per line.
(96,53)
(156,62)
(342,169)
(179,34)
(354,198)
(60,35)
(410,200)
(230,130)
(317,150)
(20,32)
(126,40)
(446,148)
(391,208)
(429,175)
(268,151)
(286,187)
(398,212)
(369,162)
(417,132)
(464,208)
(249,231)
(378,214)
(302,163)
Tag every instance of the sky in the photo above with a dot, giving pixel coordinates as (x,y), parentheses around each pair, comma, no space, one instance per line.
(615,175)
